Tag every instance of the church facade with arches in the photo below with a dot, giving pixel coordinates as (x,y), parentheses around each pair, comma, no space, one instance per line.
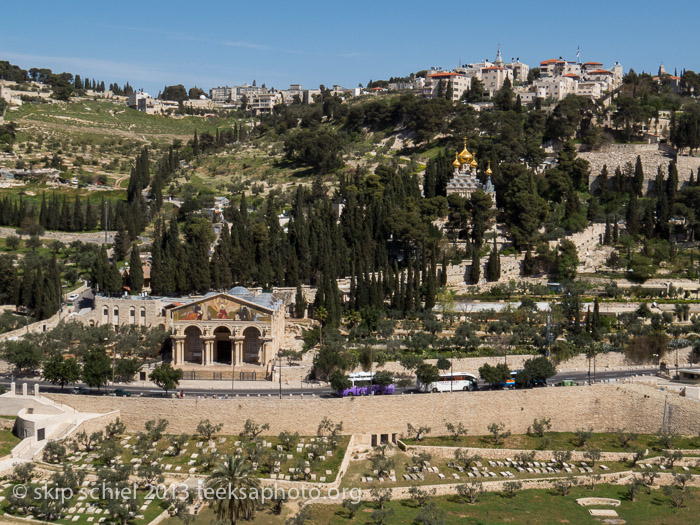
(227,332)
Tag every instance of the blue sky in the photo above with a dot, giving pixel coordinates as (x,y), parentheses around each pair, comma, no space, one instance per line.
(152,44)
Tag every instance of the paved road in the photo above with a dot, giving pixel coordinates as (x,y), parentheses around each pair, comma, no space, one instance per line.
(249,388)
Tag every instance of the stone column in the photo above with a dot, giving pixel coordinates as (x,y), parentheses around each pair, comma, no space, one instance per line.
(239,350)
(208,350)
(178,342)
(264,350)
(236,346)
(36,389)
(24,389)
(13,390)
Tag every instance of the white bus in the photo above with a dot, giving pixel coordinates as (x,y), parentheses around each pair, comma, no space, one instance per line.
(451,382)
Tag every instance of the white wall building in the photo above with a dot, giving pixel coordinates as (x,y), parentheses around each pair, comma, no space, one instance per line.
(440,81)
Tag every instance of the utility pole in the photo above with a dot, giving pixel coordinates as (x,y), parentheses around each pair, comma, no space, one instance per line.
(280,373)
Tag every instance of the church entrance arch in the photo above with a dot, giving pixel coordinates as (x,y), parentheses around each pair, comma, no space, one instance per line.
(251,346)
(222,345)
(193,345)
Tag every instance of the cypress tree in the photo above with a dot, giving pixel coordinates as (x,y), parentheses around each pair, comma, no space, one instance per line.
(632,217)
(65,221)
(607,237)
(528,263)
(475,270)
(78,218)
(135,270)
(195,145)
(121,241)
(493,266)
(43,213)
(90,217)
(443,272)
(638,176)
(616,232)
(603,180)
(672,184)
(595,331)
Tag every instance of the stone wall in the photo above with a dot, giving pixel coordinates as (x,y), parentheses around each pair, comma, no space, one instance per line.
(610,360)
(638,408)
(651,155)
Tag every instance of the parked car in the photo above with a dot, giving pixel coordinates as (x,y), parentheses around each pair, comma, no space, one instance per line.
(81,390)
(73,297)
(120,392)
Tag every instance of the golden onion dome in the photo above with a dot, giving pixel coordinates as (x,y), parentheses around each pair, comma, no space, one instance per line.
(465,157)
(488,169)
(456,162)
(474,163)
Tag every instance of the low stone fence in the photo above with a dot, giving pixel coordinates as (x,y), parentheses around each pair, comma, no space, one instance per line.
(503,453)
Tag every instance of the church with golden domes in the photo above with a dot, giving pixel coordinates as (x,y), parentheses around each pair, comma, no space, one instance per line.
(465,180)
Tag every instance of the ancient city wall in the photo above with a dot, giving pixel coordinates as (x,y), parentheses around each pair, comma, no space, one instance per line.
(637,408)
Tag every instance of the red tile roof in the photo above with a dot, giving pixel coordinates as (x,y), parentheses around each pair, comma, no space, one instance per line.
(550,61)
(593,64)
(446,74)
(572,75)
(600,72)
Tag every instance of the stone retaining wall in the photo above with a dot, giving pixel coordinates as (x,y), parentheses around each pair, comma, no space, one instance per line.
(638,408)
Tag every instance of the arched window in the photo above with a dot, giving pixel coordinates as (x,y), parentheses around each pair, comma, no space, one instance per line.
(132,315)
(142,321)
(105,315)
(116,315)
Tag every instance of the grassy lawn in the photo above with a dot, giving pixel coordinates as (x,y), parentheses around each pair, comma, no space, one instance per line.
(8,441)
(556,441)
(530,506)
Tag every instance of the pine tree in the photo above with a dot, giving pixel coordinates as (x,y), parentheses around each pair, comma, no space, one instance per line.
(135,270)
